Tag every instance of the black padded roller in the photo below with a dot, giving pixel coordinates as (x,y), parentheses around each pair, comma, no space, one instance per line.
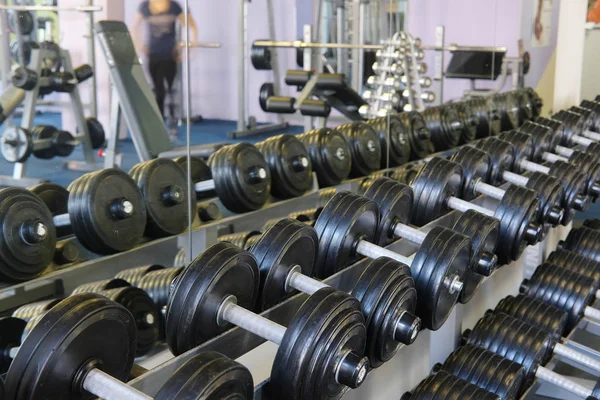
(297,77)
(281,105)
(315,108)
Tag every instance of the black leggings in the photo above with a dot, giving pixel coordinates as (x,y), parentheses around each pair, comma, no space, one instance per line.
(161,71)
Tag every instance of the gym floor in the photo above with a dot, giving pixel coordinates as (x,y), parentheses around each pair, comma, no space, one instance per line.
(205,132)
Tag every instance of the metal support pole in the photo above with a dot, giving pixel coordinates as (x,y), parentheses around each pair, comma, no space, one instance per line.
(342,60)
(360,61)
(91,46)
(440,38)
(274,55)
(242,93)
(355,41)
(308,66)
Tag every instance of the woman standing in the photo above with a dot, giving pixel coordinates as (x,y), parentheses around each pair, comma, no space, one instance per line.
(160,46)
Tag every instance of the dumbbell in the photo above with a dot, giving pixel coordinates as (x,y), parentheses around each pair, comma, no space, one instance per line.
(488,116)
(586,164)
(49,81)
(393,139)
(509,110)
(307,217)
(286,253)
(238,173)
(321,352)
(395,205)
(504,157)
(564,289)
(575,262)
(477,166)
(79,358)
(419,135)
(289,164)
(583,241)
(133,276)
(524,344)
(365,148)
(347,227)
(43,141)
(594,107)
(444,385)
(592,223)
(330,155)
(469,119)
(437,187)
(445,126)
(574,132)
(486,370)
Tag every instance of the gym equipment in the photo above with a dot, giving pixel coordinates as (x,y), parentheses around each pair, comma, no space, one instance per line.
(488,116)
(578,291)
(330,155)
(79,358)
(486,370)
(20,22)
(583,241)
(445,126)
(320,354)
(48,81)
(509,110)
(163,185)
(365,148)
(158,283)
(243,240)
(594,107)
(10,99)
(133,276)
(98,286)
(526,345)
(44,141)
(469,119)
(392,130)
(592,223)
(437,187)
(574,128)
(286,253)
(419,135)
(290,165)
(573,181)
(477,168)
(347,227)
(56,199)
(238,173)
(395,204)
(575,262)
(444,385)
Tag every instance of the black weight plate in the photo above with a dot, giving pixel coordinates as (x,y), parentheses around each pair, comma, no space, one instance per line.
(16,144)
(524,144)
(517,213)
(392,130)
(19,260)
(445,125)
(266,90)
(483,232)
(444,386)
(157,284)
(345,219)
(63,143)
(328,324)
(223,270)
(290,165)
(573,125)
(536,102)
(98,286)
(550,194)
(435,183)
(487,117)
(236,170)
(593,106)
(509,110)
(133,276)
(486,370)
(557,127)
(208,376)
(534,312)
(575,262)
(20,22)
(73,334)
(92,220)
(200,171)
(330,155)
(574,184)
(592,223)
(586,162)
(469,121)
(365,147)
(583,241)
(145,314)
(287,244)
(44,132)
(56,199)
(240,239)
(525,106)
(11,331)
(443,255)
(419,135)
(543,139)
(260,58)
(476,165)
(164,187)
(588,116)
(502,155)
(395,205)
(31,310)
(385,291)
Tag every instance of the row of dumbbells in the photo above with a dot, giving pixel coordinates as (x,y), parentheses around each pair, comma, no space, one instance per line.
(508,348)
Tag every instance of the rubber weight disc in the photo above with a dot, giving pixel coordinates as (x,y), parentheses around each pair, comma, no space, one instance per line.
(330,155)
(56,199)
(200,172)
(419,135)
(365,148)
(392,130)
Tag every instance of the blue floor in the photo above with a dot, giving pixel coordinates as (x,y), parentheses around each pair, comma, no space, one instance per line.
(207,131)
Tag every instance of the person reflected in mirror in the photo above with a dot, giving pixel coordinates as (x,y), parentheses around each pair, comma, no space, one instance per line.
(161,46)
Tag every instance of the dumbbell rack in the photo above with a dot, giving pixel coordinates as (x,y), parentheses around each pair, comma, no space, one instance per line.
(19,178)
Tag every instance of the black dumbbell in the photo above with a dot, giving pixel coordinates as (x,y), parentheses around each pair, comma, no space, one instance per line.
(575,131)
(286,255)
(583,241)
(330,155)
(445,126)
(488,116)
(573,181)
(444,385)
(509,109)
(365,148)
(328,331)
(575,262)
(347,229)
(289,164)
(395,205)
(477,168)
(438,188)
(419,135)
(80,358)
(133,276)
(485,369)
(392,130)
(524,344)
(594,120)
